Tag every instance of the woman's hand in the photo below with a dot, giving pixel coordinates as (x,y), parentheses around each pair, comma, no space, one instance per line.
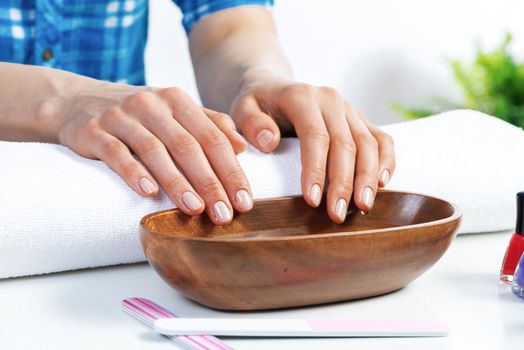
(339,146)
(160,137)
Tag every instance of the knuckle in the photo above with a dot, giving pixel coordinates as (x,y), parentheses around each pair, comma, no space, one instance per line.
(144,101)
(234,176)
(209,186)
(317,171)
(300,91)
(129,170)
(344,143)
(175,94)
(219,115)
(91,128)
(386,138)
(361,115)
(185,144)
(112,148)
(345,183)
(347,106)
(175,183)
(220,118)
(149,145)
(319,135)
(305,89)
(224,118)
(330,93)
(214,138)
(368,141)
(112,115)
(391,140)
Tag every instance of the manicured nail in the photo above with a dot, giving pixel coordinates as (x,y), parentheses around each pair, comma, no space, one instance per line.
(384,177)
(191,201)
(314,194)
(222,212)
(244,200)
(367,196)
(147,186)
(264,138)
(341,209)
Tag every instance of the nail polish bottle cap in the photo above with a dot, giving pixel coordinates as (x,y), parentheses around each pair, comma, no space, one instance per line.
(520,213)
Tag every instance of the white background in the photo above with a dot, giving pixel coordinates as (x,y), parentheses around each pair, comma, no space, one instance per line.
(374,51)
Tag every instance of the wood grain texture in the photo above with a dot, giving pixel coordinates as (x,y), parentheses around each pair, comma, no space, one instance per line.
(284,253)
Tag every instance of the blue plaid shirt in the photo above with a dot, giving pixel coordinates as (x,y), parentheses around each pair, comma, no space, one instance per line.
(102,39)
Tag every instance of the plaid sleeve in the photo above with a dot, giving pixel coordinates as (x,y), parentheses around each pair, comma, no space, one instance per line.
(194,10)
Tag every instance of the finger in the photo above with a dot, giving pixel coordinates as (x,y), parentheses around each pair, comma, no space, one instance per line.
(341,158)
(258,127)
(227,126)
(304,113)
(386,152)
(190,157)
(218,153)
(155,115)
(117,156)
(155,157)
(367,163)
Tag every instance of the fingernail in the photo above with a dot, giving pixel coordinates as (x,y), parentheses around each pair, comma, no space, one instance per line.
(341,209)
(191,201)
(264,138)
(314,194)
(147,186)
(244,200)
(367,196)
(222,212)
(384,177)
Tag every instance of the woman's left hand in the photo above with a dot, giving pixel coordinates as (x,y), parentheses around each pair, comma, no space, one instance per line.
(338,143)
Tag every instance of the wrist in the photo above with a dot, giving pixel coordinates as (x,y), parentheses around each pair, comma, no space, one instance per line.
(54,107)
(256,76)
(89,98)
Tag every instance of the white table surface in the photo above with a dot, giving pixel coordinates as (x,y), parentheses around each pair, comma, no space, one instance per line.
(81,310)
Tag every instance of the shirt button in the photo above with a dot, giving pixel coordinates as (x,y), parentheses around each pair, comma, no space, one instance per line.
(47,55)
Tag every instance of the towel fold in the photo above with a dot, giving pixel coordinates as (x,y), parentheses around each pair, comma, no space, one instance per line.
(59,211)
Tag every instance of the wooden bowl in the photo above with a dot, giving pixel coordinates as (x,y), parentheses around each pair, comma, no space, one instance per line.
(284,253)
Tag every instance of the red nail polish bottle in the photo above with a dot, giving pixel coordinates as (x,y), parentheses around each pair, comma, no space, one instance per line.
(516,244)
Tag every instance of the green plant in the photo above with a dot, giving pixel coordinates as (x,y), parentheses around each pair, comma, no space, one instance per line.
(493,84)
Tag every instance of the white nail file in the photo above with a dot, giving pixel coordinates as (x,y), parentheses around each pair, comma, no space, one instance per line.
(300,328)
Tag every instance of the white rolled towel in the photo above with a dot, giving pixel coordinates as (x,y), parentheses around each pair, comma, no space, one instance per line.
(59,211)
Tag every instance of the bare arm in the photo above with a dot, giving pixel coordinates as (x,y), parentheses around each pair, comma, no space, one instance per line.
(235,46)
(119,123)
(31,101)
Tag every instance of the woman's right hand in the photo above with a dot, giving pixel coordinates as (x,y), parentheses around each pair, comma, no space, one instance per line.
(187,150)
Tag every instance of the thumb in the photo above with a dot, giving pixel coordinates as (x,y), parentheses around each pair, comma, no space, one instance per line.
(258,127)
(227,126)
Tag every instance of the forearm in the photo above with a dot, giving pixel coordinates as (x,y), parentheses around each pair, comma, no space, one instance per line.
(241,52)
(33,101)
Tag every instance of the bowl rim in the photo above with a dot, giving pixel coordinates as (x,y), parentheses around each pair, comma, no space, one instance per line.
(456,215)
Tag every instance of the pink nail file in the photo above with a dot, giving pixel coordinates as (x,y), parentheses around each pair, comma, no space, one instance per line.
(300,328)
(148,312)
